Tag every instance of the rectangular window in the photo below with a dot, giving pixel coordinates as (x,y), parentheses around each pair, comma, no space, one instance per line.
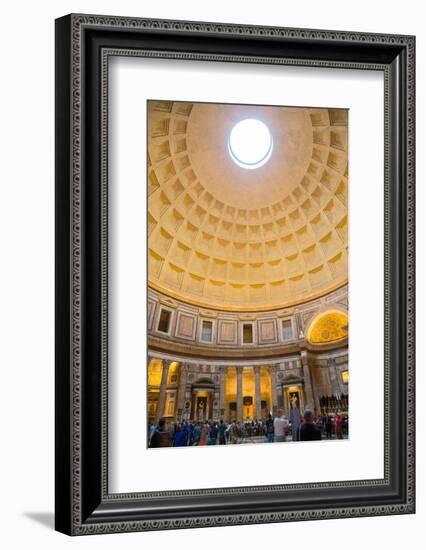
(247,334)
(164,321)
(287,329)
(207,331)
(345,377)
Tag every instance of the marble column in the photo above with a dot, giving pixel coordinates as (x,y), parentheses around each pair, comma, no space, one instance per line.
(222,392)
(193,405)
(278,388)
(315,391)
(338,376)
(309,393)
(273,376)
(163,388)
(239,394)
(286,404)
(258,399)
(181,391)
(216,404)
(331,364)
(302,402)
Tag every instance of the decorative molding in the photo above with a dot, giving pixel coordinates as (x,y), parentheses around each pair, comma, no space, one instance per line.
(79,23)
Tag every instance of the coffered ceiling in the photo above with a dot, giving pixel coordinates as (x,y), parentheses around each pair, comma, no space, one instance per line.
(225,237)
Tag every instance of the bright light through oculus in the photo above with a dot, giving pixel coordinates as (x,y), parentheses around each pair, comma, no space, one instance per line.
(250,143)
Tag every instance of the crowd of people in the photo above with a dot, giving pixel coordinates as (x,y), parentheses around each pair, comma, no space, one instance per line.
(278,429)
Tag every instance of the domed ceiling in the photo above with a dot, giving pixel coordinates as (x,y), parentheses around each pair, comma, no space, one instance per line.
(225,237)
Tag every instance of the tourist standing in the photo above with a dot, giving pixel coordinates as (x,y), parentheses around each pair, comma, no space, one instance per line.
(345,426)
(196,434)
(233,432)
(222,433)
(204,434)
(308,431)
(280,427)
(151,430)
(270,429)
(339,424)
(212,434)
(161,437)
(328,427)
(180,438)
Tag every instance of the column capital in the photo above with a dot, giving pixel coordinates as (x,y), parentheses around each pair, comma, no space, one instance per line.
(184,366)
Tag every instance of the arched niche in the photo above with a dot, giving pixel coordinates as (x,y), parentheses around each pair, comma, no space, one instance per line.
(327,327)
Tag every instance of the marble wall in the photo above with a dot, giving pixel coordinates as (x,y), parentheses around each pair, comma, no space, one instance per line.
(225,329)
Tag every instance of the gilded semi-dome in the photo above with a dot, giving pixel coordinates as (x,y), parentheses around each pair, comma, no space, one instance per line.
(224,237)
(328,326)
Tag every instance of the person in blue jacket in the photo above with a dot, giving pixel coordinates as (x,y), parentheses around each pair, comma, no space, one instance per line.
(180,439)
(196,434)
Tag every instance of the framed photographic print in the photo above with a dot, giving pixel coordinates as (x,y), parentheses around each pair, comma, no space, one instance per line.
(234,274)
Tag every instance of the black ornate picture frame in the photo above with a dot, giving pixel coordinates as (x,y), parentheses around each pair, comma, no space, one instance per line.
(84,43)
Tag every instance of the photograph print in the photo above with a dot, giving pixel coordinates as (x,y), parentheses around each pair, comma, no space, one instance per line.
(247,274)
